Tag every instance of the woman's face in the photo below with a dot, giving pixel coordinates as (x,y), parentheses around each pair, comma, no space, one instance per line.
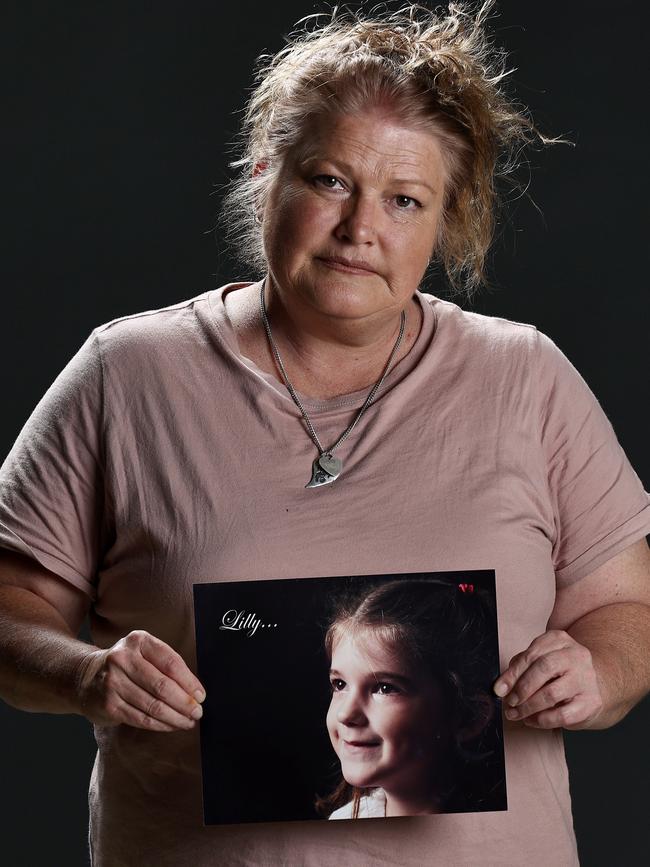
(384,717)
(367,189)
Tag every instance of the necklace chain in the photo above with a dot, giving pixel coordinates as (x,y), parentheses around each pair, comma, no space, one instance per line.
(369,399)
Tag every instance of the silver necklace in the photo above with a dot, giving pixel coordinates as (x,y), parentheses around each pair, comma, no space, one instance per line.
(326,468)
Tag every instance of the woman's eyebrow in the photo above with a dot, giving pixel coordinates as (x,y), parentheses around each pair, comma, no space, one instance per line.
(313,157)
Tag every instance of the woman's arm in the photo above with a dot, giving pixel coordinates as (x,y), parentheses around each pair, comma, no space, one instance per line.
(593,665)
(140,681)
(40,656)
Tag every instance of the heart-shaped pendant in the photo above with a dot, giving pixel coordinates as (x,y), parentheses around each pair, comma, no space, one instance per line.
(319,476)
(330,464)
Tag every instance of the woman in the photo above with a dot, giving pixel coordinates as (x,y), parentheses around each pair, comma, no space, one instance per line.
(174,449)
(411,675)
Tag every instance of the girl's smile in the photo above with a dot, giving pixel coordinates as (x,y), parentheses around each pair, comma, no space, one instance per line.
(360,749)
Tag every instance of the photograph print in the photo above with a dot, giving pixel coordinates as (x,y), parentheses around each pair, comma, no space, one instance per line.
(352,697)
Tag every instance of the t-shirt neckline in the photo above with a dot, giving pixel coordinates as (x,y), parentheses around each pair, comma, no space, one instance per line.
(353,399)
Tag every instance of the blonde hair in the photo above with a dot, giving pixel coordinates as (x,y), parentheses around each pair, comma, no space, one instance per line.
(439,71)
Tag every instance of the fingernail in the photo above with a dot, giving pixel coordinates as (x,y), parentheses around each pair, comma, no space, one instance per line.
(512,713)
(501,689)
(197,713)
(199,695)
(513,699)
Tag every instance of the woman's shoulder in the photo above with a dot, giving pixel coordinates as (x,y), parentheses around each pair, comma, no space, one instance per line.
(479,326)
(154,323)
(518,352)
(371,806)
(164,333)
(488,345)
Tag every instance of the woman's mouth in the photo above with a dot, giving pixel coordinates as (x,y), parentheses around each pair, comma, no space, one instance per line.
(348,267)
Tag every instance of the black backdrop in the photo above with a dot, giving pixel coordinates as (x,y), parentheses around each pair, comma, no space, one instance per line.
(116,127)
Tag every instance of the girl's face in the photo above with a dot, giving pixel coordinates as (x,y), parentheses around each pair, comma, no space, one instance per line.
(384,717)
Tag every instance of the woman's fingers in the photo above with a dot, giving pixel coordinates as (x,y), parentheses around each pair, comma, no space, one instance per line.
(513,680)
(156,694)
(142,710)
(128,714)
(554,692)
(172,664)
(140,681)
(552,683)
(572,714)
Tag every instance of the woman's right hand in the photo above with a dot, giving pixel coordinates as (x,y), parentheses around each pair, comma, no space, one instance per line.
(142,682)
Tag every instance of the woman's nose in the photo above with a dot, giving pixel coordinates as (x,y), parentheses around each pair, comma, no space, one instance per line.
(359,221)
(350,711)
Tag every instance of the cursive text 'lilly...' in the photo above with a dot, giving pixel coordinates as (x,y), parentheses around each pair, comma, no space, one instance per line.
(237,621)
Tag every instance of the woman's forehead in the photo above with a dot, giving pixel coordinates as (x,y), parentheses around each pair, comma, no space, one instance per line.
(375,139)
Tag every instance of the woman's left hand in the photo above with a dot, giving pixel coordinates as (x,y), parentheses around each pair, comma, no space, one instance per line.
(552,684)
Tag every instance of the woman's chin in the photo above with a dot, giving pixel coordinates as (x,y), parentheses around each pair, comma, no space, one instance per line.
(345,302)
(345,295)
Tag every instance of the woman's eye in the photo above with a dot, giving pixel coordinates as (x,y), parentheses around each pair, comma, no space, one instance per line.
(337,684)
(404,203)
(328,181)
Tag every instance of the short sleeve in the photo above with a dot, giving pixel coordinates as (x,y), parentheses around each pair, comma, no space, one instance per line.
(598,502)
(52,481)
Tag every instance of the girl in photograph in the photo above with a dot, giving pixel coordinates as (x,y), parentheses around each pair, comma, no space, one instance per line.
(410,671)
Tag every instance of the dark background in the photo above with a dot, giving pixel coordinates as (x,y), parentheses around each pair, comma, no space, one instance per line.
(285,747)
(116,126)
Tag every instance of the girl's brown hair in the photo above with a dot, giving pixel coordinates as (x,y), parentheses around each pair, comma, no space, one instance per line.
(434,69)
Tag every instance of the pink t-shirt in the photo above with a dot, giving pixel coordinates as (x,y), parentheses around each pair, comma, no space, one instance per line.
(161,457)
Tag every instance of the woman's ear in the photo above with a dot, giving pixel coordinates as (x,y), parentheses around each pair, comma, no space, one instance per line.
(484,711)
(258,169)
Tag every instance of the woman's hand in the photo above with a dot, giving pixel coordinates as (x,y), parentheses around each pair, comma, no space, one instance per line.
(142,682)
(552,684)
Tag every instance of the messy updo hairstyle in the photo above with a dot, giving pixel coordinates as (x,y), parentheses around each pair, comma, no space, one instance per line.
(448,630)
(436,69)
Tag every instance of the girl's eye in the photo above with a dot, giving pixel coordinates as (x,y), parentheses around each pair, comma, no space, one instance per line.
(386,688)
(337,684)
(404,202)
